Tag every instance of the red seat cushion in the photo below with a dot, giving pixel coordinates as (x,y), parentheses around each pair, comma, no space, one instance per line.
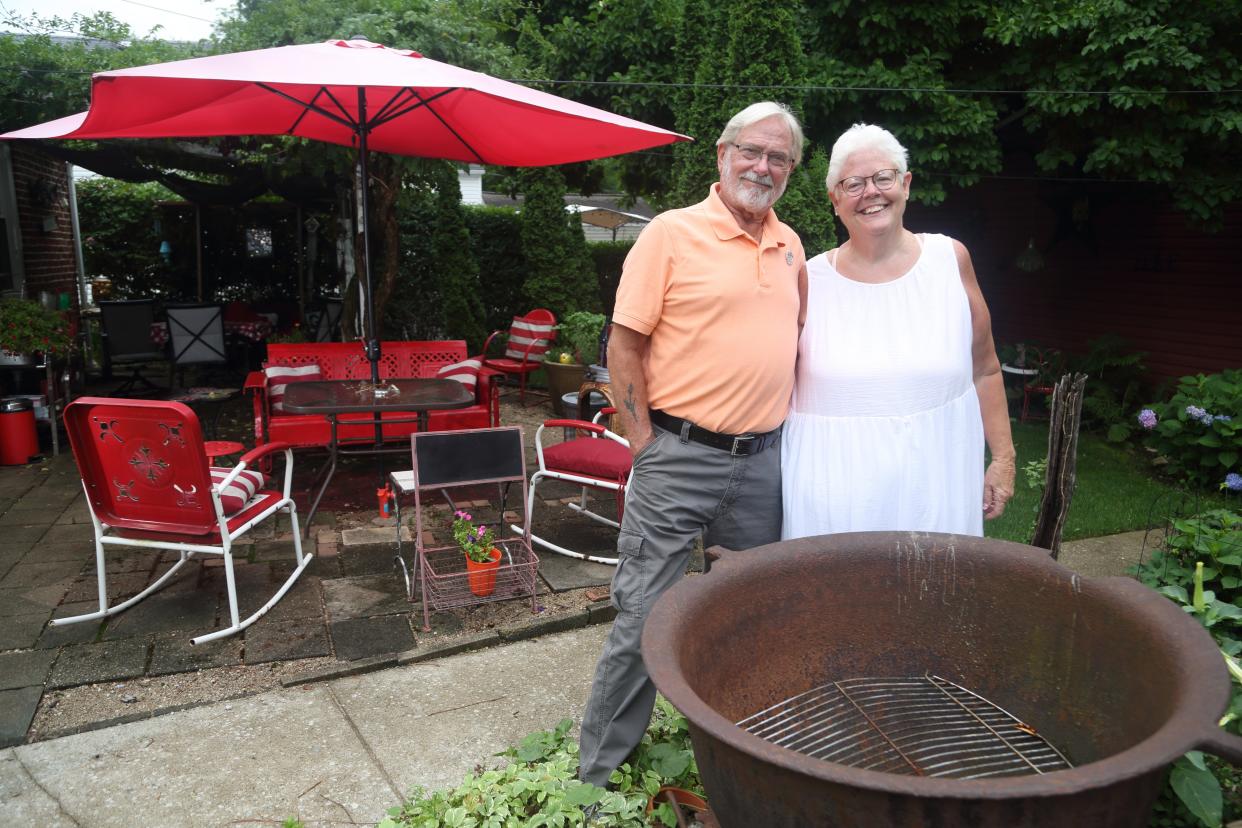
(589,456)
(234,498)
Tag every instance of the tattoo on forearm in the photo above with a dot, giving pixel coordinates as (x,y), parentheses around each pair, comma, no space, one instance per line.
(629,402)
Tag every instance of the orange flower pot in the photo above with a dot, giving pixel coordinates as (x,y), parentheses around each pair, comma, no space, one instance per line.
(482,576)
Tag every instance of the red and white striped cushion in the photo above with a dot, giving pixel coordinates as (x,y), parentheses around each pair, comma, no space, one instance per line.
(524,332)
(466,372)
(234,498)
(278,376)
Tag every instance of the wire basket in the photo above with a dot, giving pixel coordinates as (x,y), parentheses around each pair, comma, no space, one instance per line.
(448,584)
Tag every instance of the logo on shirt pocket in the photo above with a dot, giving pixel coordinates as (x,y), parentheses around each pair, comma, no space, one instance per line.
(789,258)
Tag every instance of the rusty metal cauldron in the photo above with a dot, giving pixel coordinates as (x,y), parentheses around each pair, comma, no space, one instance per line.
(1111,672)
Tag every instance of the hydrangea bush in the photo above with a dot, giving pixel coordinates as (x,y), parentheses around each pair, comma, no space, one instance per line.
(1198,431)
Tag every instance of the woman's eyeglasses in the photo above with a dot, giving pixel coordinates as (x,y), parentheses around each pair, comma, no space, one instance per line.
(855,184)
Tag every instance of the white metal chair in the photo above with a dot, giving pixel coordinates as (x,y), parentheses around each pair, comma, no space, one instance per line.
(601,461)
(149,484)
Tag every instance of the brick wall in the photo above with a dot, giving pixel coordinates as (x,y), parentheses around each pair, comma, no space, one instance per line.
(42,190)
(1114,260)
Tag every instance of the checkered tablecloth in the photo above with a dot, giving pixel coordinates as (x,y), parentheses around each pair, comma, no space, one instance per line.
(251,331)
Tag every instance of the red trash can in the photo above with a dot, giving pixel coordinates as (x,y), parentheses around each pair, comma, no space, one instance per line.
(18,439)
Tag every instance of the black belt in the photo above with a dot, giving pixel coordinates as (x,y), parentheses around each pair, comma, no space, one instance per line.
(735,444)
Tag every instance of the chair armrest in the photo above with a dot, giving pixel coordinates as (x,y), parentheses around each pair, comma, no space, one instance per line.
(594,428)
(489,339)
(259,452)
(255,381)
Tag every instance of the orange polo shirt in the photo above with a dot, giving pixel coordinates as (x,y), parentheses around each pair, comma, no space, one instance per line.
(722,314)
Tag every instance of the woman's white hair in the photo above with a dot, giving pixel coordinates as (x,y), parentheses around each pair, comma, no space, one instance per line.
(865,137)
(757,112)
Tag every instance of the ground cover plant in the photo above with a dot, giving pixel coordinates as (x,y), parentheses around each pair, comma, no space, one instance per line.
(1200,568)
(538,785)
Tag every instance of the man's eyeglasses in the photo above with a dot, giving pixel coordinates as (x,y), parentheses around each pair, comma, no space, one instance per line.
(776,160)
(855,184)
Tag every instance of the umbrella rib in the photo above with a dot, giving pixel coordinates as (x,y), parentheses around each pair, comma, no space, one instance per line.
(426,102)
(382,115)
(305,110)
(311,106)
(385,115)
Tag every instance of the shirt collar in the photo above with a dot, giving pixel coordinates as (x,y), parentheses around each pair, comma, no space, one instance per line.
(726,226)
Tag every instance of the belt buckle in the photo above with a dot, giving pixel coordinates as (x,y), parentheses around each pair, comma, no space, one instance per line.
(741,440)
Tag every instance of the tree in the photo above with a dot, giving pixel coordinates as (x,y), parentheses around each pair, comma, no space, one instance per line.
(560,274)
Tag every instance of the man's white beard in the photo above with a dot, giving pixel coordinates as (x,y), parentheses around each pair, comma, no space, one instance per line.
(754,198)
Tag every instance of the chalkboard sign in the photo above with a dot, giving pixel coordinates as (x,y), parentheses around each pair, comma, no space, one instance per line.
(451,458)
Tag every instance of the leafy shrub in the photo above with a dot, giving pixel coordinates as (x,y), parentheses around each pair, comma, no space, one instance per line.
(609,258)
(496,242)
(539,784)
(1115,380)
(1200,568)
(1198,431)
(579,333)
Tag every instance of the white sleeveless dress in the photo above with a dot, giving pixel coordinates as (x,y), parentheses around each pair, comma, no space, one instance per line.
(885,431)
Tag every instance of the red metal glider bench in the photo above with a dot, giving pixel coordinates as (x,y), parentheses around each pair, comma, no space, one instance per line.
(345,360)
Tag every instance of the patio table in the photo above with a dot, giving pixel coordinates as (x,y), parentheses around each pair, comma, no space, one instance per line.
(332,398)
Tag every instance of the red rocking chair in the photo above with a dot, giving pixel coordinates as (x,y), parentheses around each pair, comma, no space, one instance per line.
(149,483)
(529,338)
(601,460)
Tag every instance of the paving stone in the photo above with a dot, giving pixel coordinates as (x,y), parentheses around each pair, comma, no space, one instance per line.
(83,632)
(274,550)
(364,596)
(368,560)
(19,632)
(188,613)
(8,559)
(24,533)
(71,534)
(77,512)
(41,574)
(121,585)
(564,573)
(17,709)
(257,584)
(175,654)
(374,536)
(355,638)
(28,516)
(26,669)
(32,599)
(104,661)
(44,552)
(130,561)
(285,640)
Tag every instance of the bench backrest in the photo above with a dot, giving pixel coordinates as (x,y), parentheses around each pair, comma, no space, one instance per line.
(346,360)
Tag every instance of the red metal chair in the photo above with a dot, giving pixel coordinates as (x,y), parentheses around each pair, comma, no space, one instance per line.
(601,460)
(529,339)
(149,484)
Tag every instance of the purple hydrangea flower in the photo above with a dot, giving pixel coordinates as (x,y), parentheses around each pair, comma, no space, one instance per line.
(1233,482)
(1194,412)
(1224,418)
(1147,419)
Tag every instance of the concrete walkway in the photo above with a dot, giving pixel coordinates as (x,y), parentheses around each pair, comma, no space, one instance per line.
(335,752)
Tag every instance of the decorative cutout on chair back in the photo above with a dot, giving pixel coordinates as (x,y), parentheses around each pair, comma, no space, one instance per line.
(143,464)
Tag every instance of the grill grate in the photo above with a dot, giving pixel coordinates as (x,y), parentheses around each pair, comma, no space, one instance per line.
(917,726)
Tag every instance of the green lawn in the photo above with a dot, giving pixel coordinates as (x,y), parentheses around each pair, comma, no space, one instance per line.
(1117,491)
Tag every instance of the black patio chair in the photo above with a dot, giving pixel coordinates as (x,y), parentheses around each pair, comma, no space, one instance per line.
(126,335)
(196,336)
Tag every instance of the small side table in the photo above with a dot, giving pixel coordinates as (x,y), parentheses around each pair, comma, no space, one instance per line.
(221,448)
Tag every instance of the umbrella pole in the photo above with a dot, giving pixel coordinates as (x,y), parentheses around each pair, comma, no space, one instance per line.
(372,343)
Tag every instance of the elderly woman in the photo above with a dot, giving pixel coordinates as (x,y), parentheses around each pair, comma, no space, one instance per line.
(898,384)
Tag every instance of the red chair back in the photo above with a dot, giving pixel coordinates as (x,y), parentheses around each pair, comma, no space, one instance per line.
(143,464)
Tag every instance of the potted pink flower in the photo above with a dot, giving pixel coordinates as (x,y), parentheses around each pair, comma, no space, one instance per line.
(482,557)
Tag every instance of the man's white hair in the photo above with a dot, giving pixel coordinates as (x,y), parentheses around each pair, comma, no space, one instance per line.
(757,112)
(865,137)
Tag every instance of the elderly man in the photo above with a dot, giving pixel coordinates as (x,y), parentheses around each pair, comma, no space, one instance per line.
(705,333)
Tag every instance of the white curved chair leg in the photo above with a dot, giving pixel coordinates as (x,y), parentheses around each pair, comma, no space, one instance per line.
(238,626)
(104,610)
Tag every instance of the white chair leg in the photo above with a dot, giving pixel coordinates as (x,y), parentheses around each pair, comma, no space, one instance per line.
(551,547)
(238,626)
(105,610)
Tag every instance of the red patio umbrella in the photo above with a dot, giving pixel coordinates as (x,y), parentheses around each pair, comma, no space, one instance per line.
(355,93)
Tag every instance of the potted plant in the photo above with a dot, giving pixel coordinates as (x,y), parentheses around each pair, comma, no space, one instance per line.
(576,346)
(482,557)
(28,328)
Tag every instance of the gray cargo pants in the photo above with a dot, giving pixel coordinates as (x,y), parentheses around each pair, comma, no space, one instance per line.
(677,490)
